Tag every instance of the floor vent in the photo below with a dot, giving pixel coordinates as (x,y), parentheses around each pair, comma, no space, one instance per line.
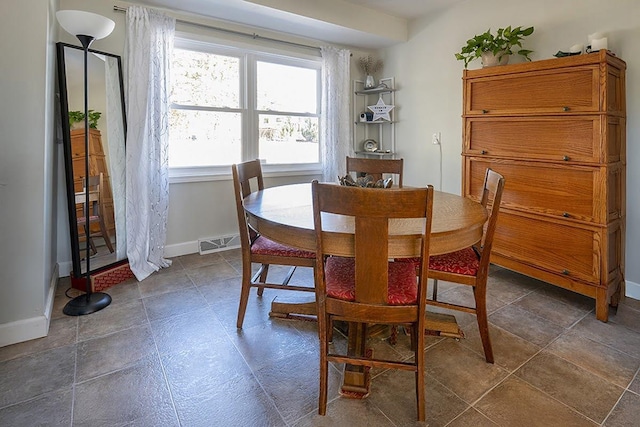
(216,244)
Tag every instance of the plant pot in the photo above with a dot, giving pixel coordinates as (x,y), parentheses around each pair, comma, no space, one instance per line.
(369,82)
(491,60)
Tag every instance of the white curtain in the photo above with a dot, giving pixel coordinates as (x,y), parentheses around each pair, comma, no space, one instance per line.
(116,157)
(335,143)
(147,56)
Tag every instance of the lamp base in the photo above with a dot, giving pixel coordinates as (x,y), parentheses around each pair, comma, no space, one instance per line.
(83,304)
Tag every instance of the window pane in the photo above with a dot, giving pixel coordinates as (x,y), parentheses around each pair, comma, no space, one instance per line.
(204,138)
(205,79)
(288,139)
(287,88)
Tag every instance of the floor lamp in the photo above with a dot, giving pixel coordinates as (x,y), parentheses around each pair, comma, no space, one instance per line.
(87,27)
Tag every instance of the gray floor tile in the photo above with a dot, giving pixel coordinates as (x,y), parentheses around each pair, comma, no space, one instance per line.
(113,318)
(136,395)
(51,409)
(240,402)
(570,384)
(167,352)
(626,413)
(516,403)
(472,418)
(31,376)
(174,303)
(461,370)
(62,331)
(604,361)
(526,325)
(112,352)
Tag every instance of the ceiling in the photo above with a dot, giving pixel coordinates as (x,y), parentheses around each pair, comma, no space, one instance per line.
(277,18)
(407,9)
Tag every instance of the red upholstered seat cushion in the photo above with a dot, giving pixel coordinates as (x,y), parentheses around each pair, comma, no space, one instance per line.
(464,261)
(340,277)
(264,246)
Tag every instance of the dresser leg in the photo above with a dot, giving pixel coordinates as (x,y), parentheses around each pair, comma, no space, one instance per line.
(602,305)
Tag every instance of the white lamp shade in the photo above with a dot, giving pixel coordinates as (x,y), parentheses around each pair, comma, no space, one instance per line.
(81,23)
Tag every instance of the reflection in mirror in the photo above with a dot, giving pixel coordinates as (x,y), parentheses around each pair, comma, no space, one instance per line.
(107,129)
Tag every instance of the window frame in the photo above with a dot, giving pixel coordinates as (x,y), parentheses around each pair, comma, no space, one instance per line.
(248,56)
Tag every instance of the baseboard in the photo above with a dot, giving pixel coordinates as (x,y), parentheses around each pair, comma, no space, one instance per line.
(34,327)
(632,290)
(179,249)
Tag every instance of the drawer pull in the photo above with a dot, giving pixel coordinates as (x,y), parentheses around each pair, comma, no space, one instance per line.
(565,108)
(565,158)
(485,111)
(483,152)
(566,214)
(565,272)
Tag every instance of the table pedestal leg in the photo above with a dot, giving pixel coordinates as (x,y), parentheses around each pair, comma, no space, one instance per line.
(356,378)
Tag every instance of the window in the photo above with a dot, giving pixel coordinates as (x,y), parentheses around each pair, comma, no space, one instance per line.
(231,104)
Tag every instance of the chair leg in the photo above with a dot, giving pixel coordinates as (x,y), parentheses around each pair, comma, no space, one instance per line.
(480,295)
(105,235)
(417,336)
(435,289)
(244,293)
(323,323)
(263,278)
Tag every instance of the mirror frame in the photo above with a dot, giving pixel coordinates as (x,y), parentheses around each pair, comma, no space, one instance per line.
(68,163)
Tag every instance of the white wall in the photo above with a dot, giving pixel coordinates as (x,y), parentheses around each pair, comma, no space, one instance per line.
(28,169)
(429,98)
(429,79)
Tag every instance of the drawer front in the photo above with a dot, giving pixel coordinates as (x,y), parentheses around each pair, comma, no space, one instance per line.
(549,91)
(564,191)
(544,138)
(555,247)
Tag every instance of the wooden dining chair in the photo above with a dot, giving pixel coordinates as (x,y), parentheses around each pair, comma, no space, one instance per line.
(97,213)
(368,288)
(258,249)
(470,266)
(376,167)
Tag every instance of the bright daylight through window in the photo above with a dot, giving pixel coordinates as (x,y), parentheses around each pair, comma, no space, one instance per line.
(231,105)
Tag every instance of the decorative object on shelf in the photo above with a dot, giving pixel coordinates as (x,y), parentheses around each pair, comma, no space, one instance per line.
(495,49)
(381,110)
(87,27)
(76,119)
(366,181)
(369,66)
(366,116)
(597,41)
(370,145)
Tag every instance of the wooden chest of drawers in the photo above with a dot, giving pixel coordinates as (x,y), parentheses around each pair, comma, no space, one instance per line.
(556,130)
(97,164)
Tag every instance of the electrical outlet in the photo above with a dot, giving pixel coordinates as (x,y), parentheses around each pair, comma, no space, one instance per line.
(435,138)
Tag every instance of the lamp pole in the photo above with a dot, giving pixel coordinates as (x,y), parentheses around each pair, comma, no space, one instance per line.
(82,25)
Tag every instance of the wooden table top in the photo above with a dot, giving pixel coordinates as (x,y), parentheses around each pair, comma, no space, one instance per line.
(285,214)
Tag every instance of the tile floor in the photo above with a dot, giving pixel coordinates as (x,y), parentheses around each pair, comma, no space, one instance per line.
(166,353)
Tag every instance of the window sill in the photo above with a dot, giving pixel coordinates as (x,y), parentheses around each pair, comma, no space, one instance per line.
(223,173)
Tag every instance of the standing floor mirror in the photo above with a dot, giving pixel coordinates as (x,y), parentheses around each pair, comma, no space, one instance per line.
(106,234)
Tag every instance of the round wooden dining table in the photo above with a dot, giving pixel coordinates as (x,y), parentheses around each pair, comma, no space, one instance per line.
(285,214)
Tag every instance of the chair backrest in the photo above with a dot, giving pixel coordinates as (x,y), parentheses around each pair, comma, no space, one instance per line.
(376,167)
(491,198)
(244,175)
(372,209)
(96,186)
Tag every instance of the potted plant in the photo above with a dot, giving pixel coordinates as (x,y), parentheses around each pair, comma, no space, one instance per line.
(369,66)
(495,49)
(76,119)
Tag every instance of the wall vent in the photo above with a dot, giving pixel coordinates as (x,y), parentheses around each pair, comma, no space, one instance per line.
(216,244)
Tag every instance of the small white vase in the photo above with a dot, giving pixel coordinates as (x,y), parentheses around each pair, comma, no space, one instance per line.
(490,60)
(369,82)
